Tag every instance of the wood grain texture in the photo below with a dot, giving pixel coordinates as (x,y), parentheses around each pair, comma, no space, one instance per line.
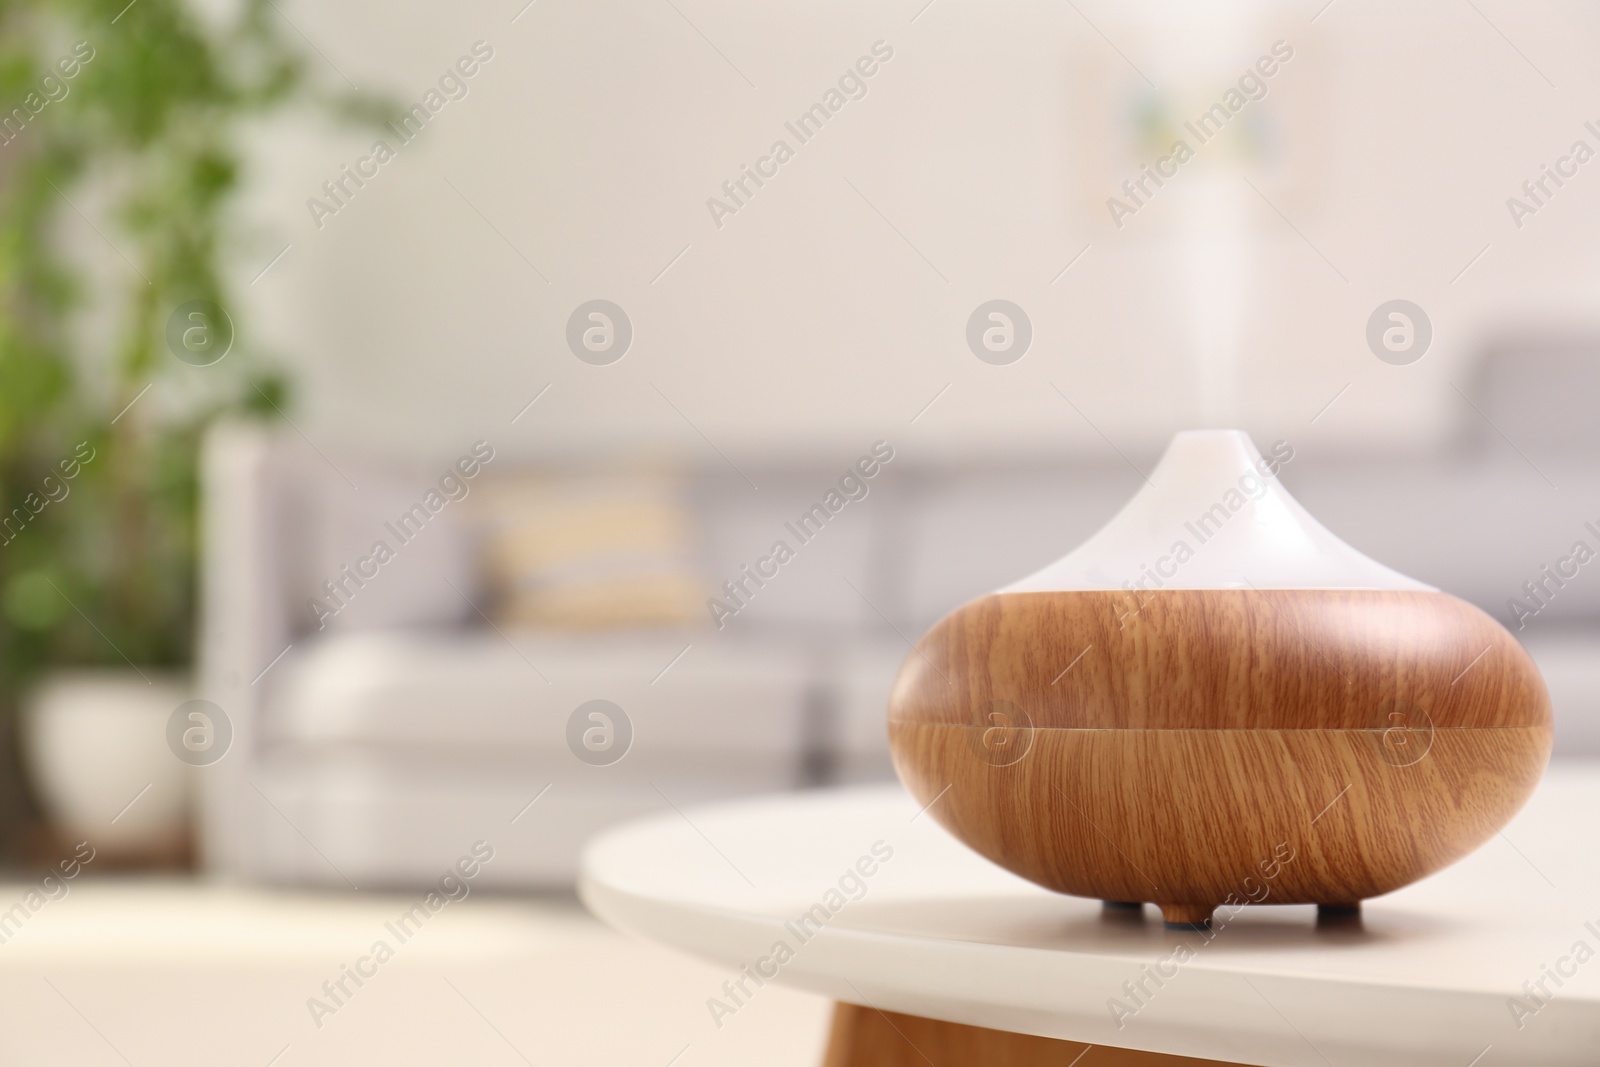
(1210,747)
(866,1037)
(1200,817)
(1226,659)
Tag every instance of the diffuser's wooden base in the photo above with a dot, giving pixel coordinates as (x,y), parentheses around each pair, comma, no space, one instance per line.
(1205,748)
(1198,819)
(866,1037)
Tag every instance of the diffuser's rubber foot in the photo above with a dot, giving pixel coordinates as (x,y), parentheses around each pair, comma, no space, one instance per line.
(1339,915)
(1187,916)
(1122,912)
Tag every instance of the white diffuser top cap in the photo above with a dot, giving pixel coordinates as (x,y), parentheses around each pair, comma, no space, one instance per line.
(1214,516)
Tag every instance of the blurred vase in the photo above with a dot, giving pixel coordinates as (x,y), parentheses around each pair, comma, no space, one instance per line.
(95,741)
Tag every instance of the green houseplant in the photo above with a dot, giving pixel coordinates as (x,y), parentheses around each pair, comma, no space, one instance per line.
(119,150)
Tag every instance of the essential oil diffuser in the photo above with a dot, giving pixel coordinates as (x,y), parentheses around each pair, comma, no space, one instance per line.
(1216,701)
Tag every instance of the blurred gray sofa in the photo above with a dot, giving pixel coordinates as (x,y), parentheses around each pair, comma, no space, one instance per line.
(374,752)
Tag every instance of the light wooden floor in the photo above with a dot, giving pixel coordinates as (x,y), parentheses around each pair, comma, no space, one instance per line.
(175,974)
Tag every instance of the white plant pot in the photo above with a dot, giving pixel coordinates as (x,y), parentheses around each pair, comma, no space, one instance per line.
(96,745)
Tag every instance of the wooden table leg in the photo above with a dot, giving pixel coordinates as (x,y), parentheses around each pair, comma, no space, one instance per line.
(866,1037)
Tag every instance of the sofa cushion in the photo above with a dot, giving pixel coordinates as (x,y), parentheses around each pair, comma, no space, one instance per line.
(685,694)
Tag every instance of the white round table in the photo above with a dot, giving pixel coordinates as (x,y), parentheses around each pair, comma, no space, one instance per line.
(856,895)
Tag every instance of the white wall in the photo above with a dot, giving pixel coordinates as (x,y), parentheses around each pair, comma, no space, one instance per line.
(806,325)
